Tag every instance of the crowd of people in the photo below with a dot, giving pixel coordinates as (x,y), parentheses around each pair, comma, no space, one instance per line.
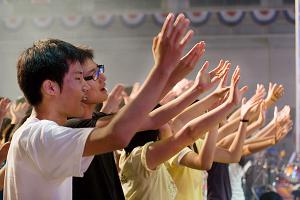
(170,138)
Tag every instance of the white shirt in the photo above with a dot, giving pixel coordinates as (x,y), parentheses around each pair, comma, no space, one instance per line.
(42,159)
(235,175)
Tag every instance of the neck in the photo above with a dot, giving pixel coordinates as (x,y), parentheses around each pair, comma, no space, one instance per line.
(88,111)
(49,114)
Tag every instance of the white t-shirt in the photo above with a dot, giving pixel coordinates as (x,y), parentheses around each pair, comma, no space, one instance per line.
(235,175)
(42,159)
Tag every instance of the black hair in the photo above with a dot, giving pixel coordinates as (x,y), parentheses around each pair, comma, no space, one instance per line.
(85,53)
(141,138)
(47,59)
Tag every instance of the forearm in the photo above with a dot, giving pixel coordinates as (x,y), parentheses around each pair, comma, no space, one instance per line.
(226,141)
(252,128)
(253,114)
(192,112)
(235,115)
(127,122)
(260,139)
(161,151)
(234,152)
(264,132)
(228,128)
(238,142)
(165,113)
(207,152)
(258,146)
(209,120)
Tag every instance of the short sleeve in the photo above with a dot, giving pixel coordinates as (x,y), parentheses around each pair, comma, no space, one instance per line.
(136,163)
(56,150)
(175,160)
(199,144)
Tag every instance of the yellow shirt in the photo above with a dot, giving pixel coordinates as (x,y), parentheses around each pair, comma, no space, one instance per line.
(141,183)
(188,181)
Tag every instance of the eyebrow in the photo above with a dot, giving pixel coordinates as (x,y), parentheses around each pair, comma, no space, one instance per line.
(92,70)
(78,72)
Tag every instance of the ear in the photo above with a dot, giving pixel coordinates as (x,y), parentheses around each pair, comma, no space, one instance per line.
(50,88)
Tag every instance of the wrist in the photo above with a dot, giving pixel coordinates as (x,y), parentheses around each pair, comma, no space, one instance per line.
(14,120)
(162,70)
(196,89)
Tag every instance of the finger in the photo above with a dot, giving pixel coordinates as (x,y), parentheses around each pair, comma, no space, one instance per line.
(204,67)
(188,36)
(154,43)
(243,90)
(195,54)
(270,86)
(219,67)
(135,88)
(179,26)
(236,75)
(180,29)
(244,100)
(225,78)
(167,26)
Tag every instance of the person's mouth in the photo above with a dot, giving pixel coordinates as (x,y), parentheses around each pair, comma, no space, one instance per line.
(84,98)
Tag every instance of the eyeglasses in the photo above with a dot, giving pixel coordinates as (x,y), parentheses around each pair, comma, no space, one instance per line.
(96,74)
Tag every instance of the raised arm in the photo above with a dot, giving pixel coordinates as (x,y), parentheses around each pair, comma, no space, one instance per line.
(275,92)
(203,82)
(263,143)
(112,104)
(226,141)
(170,45)
(204,159)
(260,90)
(163,150)
(234,152)
(205,104)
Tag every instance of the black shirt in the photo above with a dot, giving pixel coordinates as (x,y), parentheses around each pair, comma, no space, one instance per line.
(101,180)
(218,182)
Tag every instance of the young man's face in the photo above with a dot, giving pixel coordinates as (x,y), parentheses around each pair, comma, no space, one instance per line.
(73,92)
(97,92)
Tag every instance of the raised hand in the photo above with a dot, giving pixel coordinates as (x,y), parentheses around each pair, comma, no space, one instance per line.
(187,63)
(260,89)
(275,92)
(262,114)
(171,41)
(282,131)
(236,94)
(18,111)
(222,89)
(4,106)
(247,105)
(135,89)
(281,117)
(206,80)
(115,97)
(182,86)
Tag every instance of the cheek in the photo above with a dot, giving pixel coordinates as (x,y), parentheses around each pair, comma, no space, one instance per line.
(93,88)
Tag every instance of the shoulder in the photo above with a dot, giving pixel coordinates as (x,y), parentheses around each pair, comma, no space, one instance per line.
(80,123)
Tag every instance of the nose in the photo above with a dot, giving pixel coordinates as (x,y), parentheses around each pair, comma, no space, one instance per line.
(85,86)
(102,77)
